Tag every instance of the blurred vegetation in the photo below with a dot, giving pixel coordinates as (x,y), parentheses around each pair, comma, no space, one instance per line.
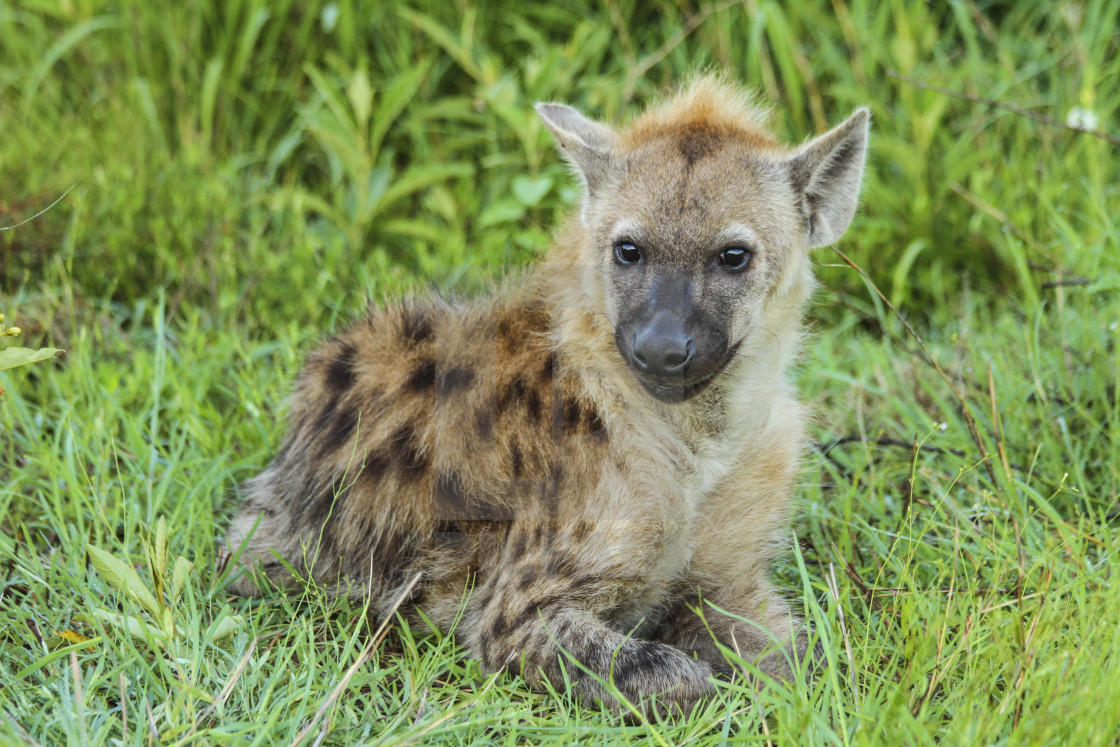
(217,148)
(244,174)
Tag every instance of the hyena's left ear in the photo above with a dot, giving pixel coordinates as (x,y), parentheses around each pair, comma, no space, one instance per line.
(585,143)
(826,174)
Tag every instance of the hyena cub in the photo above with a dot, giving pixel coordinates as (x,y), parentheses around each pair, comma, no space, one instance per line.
(600,456)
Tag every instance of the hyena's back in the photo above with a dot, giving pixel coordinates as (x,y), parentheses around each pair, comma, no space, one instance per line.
(416,438)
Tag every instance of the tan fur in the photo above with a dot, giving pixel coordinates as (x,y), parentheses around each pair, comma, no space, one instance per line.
(505,449)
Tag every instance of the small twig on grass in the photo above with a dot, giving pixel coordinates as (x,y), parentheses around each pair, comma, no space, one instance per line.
(884,441)
(826,448)
(965,411)
(381,632)
(868,596)
(1064,283)
(48,207)
(1014,109)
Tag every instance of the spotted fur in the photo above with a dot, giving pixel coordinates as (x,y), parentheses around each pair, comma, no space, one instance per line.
(511,452)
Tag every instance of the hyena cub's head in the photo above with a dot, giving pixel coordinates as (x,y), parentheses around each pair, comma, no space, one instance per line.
(699,226)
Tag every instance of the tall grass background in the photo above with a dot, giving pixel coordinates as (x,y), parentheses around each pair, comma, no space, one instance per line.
(241,177)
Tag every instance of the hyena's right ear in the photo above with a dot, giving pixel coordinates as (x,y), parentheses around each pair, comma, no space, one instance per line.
(585,143)
(826,173)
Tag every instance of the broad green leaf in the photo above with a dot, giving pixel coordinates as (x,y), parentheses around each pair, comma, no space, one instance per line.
(529,190)
(420,177)
(394,99)
(505,211)
(12,357)
(418,229)
(360,93)
(226,625)
(179,576)
(459,51)
(124,578)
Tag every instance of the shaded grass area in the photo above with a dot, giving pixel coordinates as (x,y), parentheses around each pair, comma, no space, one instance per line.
(247,174)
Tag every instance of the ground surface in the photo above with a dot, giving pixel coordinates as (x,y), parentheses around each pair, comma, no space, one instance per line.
(242,175)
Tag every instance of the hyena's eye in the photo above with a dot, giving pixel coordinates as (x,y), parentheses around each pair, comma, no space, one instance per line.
(625,253)
(735,258)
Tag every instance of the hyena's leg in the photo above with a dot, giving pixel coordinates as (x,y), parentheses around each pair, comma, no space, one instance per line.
(542,642)
(535,617)
(740,528)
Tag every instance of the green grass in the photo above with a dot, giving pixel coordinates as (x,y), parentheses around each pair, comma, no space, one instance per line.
(246,174)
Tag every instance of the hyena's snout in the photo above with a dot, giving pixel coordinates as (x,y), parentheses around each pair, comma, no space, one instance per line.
(675,353)
(663,349)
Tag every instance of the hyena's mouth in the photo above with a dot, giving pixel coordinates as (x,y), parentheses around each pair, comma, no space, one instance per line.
(681,390)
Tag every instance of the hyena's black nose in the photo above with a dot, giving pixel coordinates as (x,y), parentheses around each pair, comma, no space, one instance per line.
(661,350)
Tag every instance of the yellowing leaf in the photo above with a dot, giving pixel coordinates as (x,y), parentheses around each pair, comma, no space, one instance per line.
(72,637)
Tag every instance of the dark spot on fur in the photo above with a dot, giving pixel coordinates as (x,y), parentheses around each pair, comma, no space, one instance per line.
(340,371)
(455,378)
(449,496)
(407,453)
(636,660)
(549,368)
(557,566)
(529,576)
(326,506)
(383,558)
(517,461)
(502,625)
(533,405)
(596,427)
(698,143)
(416,325)
(423,377)
(572,414)
(581,530)
(517,326)
(373,469)
(340,430)
(484,422)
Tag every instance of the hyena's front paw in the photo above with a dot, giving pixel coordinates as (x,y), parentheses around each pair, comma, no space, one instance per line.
(599,664)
